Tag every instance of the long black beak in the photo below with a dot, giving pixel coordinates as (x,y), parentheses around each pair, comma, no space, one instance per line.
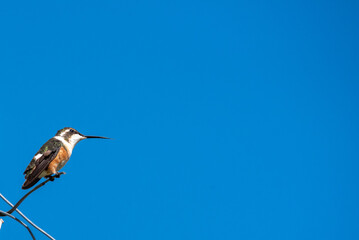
(97,137)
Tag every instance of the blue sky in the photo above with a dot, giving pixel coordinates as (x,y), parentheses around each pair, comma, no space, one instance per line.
(230,119)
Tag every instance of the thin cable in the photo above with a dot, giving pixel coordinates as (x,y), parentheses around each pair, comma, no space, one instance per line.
(19,221)
(14,207)
(28,220)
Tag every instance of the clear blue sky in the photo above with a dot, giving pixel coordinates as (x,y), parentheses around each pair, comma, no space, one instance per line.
(231,119)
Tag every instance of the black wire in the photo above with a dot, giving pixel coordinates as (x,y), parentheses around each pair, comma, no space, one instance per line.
(19,221)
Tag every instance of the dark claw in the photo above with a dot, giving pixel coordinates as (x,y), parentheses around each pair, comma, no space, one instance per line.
(56,175)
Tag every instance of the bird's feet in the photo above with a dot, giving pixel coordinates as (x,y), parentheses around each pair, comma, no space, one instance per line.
(56,175)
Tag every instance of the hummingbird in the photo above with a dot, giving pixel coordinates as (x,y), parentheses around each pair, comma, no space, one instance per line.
(53,155)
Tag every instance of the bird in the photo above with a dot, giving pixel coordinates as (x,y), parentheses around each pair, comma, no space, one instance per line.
(53,155)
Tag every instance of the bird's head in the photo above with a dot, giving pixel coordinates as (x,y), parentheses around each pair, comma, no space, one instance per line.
(72,136)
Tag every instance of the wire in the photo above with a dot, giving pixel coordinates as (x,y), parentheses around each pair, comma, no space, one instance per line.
(19,221)
(14,207)
(28,220)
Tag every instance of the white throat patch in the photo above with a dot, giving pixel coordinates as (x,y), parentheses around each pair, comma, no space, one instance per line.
(74,139)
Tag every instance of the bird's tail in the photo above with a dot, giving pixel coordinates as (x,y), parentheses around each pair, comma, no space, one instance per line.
(30,182)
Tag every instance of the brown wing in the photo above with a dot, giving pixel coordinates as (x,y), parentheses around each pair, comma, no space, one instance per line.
(36,167)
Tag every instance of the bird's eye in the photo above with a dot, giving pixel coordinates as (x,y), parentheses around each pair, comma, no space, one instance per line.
(71,130)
